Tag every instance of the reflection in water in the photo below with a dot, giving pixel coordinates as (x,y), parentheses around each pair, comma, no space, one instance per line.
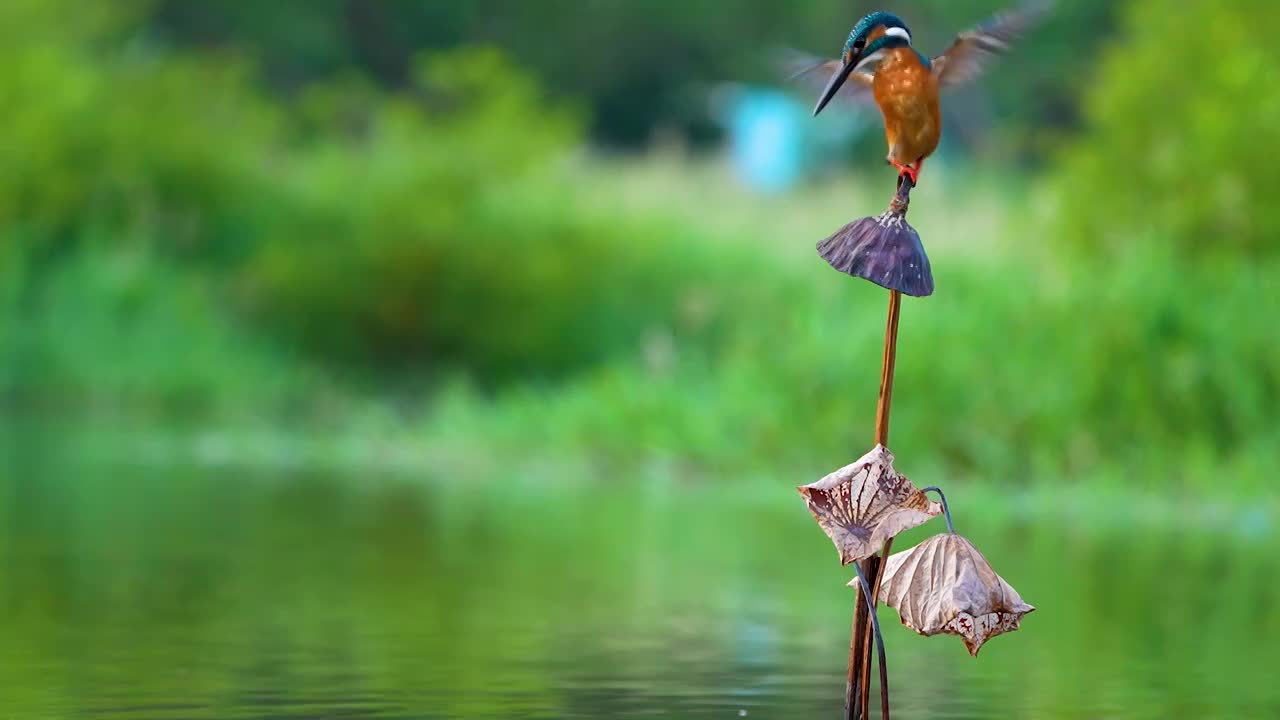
(185,593)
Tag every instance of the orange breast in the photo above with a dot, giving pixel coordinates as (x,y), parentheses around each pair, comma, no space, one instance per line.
(907,93)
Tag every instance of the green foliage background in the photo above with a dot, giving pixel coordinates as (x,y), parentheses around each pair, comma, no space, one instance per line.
(264,221)
(390,358)
(1179,135)
(641,66)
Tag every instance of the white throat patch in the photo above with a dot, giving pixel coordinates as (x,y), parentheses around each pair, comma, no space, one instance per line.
(868,64)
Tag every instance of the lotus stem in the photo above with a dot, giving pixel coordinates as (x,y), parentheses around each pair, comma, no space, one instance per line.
(858,653)
(946,509)
(885,399)
(875,627)
(877,570)
(857,699)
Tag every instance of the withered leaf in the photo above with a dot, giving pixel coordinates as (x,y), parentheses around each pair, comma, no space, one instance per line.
(944,585)
(862,505)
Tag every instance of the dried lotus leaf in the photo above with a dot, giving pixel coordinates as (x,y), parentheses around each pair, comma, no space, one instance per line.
(862,505)
(945,585)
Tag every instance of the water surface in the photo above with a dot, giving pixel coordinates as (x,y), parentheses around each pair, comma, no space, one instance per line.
(172,590)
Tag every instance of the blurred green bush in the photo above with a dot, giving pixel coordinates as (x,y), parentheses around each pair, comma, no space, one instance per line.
(446,234)
(173,236)
(391,235)
(105,136)
(1126,372)
(1180,118)
(125,178)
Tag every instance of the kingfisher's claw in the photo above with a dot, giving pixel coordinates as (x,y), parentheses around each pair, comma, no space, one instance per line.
(912,173)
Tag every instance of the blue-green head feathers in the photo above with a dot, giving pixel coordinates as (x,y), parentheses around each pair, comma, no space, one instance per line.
(896,35)
(860,33)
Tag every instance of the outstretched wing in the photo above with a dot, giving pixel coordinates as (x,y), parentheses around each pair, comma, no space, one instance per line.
(969,55)
(813,73)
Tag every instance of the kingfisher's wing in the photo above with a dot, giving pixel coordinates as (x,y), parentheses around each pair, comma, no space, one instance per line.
(813,73)
(972,50)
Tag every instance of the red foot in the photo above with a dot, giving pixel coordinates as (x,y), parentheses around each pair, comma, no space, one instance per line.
(912,173)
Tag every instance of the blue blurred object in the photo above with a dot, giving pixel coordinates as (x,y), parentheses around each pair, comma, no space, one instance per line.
(767,139)
(774,142)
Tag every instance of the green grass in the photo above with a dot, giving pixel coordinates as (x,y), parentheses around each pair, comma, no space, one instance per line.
(1149,372)
(444,272)
(108,331)
(484,295)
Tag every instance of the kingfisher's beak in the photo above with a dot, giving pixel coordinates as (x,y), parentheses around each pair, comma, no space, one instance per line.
(834,85)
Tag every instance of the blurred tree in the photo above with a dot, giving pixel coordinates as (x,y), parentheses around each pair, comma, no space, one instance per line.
(641,66)
(424,230)
(108,138)
(444,235)
(1031,96)
(1178,117)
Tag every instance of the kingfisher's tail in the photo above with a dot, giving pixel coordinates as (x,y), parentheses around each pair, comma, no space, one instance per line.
(885,250)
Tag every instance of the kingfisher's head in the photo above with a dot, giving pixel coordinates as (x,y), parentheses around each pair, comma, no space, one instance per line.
(870,39)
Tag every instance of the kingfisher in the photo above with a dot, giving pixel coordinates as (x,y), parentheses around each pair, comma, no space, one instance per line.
(879,63)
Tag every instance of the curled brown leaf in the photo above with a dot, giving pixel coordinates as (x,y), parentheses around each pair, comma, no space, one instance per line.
(944,585)
(862,505)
